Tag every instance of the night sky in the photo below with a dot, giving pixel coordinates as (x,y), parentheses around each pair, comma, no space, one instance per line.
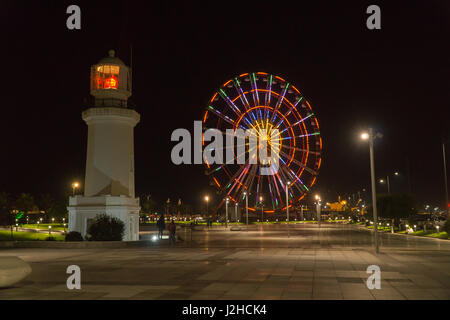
(395,79)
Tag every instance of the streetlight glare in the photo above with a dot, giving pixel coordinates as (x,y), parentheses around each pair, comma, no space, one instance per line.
(206,198)
(364,136)
(381,181)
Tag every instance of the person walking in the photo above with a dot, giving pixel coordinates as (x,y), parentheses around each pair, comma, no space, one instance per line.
(172,229)
(161,226)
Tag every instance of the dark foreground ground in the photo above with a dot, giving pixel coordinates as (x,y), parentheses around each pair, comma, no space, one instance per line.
(329,262)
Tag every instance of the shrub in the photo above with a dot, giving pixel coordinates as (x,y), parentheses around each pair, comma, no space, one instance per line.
(106,228)
(447,226)
(50,239)
(74,236)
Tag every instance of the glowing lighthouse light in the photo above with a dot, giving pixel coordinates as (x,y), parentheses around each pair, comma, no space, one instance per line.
(111,83)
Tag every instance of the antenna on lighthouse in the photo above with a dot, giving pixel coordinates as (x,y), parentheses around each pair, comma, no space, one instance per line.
(131,66)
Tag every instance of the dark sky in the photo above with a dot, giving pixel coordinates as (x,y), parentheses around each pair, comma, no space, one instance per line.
(395,79)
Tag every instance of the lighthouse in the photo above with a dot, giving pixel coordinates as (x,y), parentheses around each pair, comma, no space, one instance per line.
(109,180)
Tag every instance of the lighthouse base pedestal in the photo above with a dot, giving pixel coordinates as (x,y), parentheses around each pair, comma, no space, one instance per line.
(83,210)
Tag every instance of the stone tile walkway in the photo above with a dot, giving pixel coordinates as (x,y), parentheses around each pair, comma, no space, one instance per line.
(329,263)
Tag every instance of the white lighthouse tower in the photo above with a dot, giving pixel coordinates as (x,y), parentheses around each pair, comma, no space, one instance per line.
(109,181)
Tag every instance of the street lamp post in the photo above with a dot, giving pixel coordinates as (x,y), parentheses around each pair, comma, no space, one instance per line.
(370,136)
(287,206)
(207,201)
(75,185)
(318,208)
(235,211)
(246,208)
(262,208)
(388,185)
(226,212)
(445,181)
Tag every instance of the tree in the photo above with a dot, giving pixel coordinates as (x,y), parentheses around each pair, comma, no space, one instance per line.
(58,210)
(186,209)
(5,209)
(106,228)
(25,202)
(148,205)
(447,227)
(394,206)
(45,202)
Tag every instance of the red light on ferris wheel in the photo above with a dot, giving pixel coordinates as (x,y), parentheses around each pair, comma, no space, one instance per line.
(111,83)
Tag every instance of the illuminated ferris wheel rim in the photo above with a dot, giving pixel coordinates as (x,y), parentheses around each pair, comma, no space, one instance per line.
(305,147)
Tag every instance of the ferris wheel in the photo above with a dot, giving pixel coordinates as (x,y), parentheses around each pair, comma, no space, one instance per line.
(263,101)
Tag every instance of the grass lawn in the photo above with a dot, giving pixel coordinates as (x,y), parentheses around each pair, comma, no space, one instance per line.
(432,234)
(440,235)
(380,228)
(5,235)
(55,226)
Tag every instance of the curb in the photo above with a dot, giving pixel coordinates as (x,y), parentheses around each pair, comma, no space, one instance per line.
(402,234)
(76,244)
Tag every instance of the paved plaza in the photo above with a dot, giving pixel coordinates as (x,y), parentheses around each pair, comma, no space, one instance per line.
(329,262)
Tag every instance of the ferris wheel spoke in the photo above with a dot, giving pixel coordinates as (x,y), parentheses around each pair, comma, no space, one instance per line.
(243,183)
(229,103)
(302,136)
(287,177)
(243,170)
(293,107)
(274,183)
(222,116)
(233,180)
(276,187)
(298,122)
(272,195)
(261,184)
(313,172)
(293,177)
(251,177)
(254,87)
(243,98)
(280,100)
(212,171)
(267,95)
(300,149)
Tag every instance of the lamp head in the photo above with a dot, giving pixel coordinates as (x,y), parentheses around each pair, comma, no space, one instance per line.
(364,136)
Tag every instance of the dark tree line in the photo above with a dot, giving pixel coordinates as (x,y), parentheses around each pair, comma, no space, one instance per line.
(149,205)
(25,202)
(394,206)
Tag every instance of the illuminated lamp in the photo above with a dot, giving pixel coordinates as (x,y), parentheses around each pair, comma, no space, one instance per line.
(111,83)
